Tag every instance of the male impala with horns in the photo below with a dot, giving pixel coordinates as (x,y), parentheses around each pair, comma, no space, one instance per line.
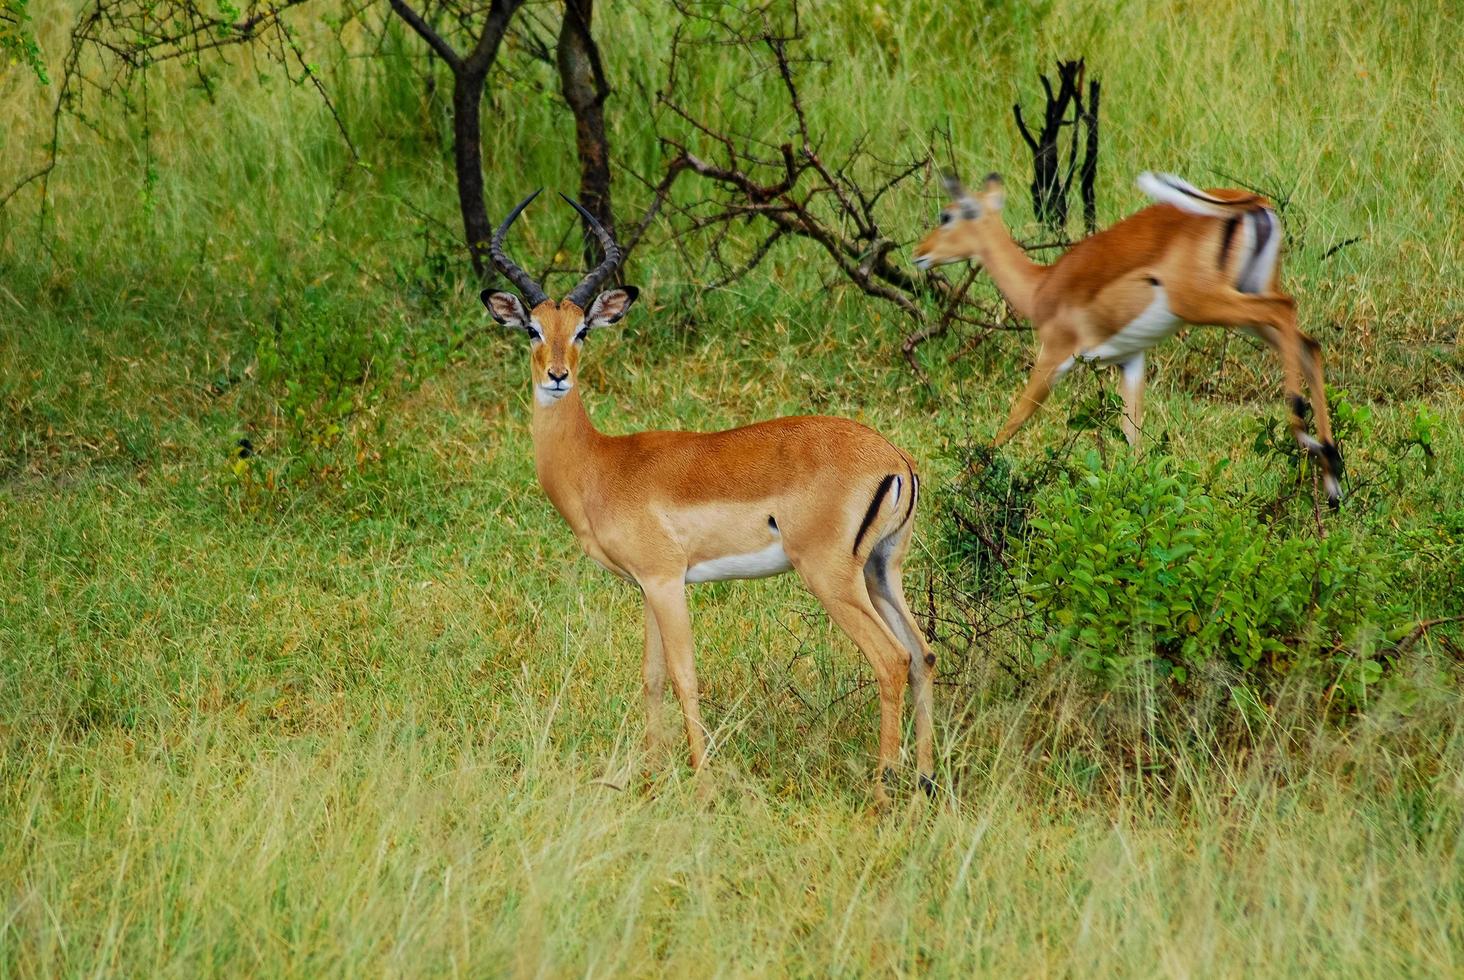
(825,497)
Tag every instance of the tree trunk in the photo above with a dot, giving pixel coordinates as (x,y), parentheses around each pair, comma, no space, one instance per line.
(582,79)
(467,152)
(468,78)
(1049,189)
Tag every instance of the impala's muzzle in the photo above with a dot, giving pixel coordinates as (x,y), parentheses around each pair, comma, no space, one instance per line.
(556,385)
(928,260)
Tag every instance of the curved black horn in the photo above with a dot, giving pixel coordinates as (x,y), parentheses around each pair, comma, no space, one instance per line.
(531,290)
(582,294)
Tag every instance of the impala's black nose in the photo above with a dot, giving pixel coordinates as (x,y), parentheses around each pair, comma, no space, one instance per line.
(557,377)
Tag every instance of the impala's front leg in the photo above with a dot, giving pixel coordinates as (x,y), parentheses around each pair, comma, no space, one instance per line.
(666,602)
(1133,398)
(653,677)
(1057,347)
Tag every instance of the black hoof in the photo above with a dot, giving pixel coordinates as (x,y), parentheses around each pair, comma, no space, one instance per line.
(927,784)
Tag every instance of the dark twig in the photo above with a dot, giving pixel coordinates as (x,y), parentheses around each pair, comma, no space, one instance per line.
(1325,255)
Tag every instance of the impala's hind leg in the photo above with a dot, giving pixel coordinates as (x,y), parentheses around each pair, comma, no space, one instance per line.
(1311,365)
(1275,311)
(838,582)
(882,577)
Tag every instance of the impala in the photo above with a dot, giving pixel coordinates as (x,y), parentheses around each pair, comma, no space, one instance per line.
(1195,257)
(826,497)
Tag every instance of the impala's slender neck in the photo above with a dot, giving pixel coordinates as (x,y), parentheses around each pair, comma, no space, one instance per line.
(565,442)
(1014,274)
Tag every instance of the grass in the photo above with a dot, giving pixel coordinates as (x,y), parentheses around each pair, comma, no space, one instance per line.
(385,719)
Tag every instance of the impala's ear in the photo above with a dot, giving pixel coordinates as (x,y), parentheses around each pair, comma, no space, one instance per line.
(506,308)
(993,193)
(610,306)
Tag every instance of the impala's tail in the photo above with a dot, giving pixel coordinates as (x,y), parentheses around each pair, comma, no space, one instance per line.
(1169,189)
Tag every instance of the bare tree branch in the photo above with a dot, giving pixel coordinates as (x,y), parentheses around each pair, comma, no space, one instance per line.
(796,192)
(427,33)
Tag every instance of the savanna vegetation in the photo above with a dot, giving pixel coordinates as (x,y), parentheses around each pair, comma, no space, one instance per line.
(301,675)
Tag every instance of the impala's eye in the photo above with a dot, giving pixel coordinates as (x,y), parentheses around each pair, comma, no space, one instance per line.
(945,217)
(584,332)
(534,335)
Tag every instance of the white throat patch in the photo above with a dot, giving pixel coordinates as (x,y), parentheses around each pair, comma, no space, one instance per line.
(547,396)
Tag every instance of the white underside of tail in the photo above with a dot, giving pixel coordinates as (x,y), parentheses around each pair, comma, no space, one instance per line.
(1169,189)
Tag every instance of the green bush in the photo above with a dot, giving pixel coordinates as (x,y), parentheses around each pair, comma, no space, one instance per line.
(1141,566)
(326,370)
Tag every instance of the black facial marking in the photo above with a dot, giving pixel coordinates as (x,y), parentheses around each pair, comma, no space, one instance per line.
(927,784)
(1152,281)
(772,524)
(884,486)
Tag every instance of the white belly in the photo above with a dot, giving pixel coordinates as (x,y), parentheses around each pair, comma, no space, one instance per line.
(1150,327)
(772,560)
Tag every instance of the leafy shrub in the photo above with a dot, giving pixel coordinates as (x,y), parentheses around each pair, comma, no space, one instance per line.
(991,500)
(325,371)
(1141,566)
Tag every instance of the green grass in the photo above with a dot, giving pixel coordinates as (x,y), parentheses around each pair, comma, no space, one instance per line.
(385,719)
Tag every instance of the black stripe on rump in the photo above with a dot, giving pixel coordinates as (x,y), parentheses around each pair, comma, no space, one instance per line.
(914,492)
(884,488)
(1226,238)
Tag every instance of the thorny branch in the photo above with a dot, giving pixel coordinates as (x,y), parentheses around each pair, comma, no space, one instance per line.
(791,189)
